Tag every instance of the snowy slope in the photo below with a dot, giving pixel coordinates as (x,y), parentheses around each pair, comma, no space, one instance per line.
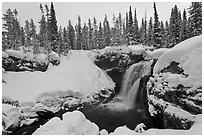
(75,72)
(189,56)
(158,52)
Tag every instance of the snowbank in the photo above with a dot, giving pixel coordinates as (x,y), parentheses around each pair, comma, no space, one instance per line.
(15,53)
(138,48)
(189,56)
(41,58)
(29,56)
(73,123)
(75,72)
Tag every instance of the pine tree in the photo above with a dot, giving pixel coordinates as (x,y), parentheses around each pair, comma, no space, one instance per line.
(100,40)
(43,32)
(127,29)
(71,36)
(90,35)
(156,30)
(195,11)
(22,36)
(85,34)
(131,29)
(95,33)
(27,34)
(53,29)
(184,27)
(33,36)
(136,29)
(175,26)
(65,40)
(150,32)
(106,32)
(167,35)
(60,41)
(162,33)
(79,34)
(120,29)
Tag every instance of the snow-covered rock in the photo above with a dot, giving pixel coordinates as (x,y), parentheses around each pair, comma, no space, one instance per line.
(41,58)
(158,52)
(75,72)
(189,56)
(123,131)
(15,53)
(29,56)
(4,55)
(73,123)
(103,132)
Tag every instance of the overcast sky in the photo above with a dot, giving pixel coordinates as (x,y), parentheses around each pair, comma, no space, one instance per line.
(70,10)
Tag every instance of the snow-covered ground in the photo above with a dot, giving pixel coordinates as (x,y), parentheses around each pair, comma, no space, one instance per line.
(75,72)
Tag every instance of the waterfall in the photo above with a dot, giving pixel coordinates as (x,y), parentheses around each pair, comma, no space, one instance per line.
(131,82)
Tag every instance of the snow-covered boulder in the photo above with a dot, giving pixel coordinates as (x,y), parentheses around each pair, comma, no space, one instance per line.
(73,123)
(123,131)
(75,76)
(4,55)
(15,53)
(189,56)
(175,89)
(158,52)
(54,58)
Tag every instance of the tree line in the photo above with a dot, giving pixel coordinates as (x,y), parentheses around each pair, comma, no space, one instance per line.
(97,35)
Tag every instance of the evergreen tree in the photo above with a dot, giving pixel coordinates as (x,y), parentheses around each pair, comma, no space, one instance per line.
(175,26)
(120,29)
(150,32)
(22,36)
(43,32)
(33,37)
(90,35)
(131,29)
(106,32)
(85,37)
(95,33)
(27,34)
(167,35)
(157,37)
(65,40)
(136,29)
(60,41)
(79,34)
(184,29)
(195,11)
(162,33)
(127,29)
(100,40)
(53,29)
(71,36)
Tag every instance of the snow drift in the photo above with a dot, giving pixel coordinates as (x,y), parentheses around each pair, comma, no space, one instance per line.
(75,72)
(189,56)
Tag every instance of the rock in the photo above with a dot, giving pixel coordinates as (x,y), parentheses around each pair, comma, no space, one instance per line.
(43,111)
(123,131)
(73,123)
(140,128)
(103,132)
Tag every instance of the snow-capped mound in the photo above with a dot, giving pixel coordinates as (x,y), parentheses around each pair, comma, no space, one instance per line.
(135,49)
(15,53)
(189,56)
(158,52)
(4,54)
(73,123)
(29,56)
(123,131)
(75,72)
(41,58)
(53,56)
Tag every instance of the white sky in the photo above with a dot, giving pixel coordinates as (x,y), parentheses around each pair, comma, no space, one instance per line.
(70,10)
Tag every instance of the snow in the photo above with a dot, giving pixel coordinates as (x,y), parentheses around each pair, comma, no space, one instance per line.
(54,56)
(75,72)
(123,130)
(135,49)
(73,123)
(29,56)
(41,58)
(189,56)
(158,52)
(15,53)
(4,54)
